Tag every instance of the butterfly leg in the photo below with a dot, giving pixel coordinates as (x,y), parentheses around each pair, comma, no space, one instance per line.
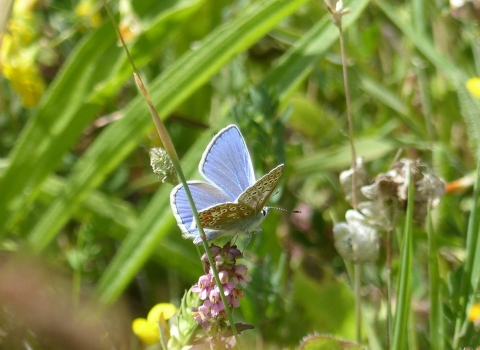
(249,239)
(233,239)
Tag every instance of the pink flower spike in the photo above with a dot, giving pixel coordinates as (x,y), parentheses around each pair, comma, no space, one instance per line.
(223,275)
(215,250)
(235,302)
(203,287)
(236,252)
(241,270)
(205,309)
(241,274)
(217,308)
(228,287)
(238,293)
(214,295)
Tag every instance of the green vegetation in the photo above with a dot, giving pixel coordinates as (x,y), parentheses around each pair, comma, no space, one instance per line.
(86,227)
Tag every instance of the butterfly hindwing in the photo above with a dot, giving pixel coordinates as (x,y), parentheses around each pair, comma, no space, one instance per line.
(227,164)
(258,194)
(204,195)
(225,216)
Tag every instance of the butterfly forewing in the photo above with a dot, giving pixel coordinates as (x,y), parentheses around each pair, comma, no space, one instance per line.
(227,164)
(225,216)
(258,194)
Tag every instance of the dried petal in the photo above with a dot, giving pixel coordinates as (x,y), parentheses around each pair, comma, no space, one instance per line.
(361,179)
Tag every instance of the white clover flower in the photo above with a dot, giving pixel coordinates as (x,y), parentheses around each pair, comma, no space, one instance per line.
(356,240)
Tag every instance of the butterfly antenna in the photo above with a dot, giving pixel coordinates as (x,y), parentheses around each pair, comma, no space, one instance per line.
(286,210)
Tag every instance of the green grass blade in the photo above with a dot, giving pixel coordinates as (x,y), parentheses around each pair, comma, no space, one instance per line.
(155,222)
(299,61)
(403,308)
(455,75)
(388,98)
(96,70)
(435,322)
(134,252)
(119,214)
(338,157)
(186,75)
(177,83)
(471,268)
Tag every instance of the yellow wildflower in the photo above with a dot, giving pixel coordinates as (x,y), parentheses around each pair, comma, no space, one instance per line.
(474,314)
(18,54)
(129,23)
(473,85)
(147,329)
(87,10)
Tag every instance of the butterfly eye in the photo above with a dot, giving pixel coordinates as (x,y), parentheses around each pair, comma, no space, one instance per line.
(264,212)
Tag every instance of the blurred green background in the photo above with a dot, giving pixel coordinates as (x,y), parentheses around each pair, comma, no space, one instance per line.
(77,190)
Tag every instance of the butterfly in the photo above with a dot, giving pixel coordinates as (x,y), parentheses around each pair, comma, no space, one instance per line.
(232,200)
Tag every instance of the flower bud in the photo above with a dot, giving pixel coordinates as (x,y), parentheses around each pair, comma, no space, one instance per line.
(162,165)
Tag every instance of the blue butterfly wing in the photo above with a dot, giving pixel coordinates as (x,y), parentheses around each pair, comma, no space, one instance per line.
(227,164)
(204,195)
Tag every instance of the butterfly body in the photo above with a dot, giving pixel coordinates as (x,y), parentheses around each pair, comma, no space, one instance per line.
(232,201)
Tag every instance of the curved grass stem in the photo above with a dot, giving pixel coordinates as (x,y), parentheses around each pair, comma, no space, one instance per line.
(169,147)
(358,268)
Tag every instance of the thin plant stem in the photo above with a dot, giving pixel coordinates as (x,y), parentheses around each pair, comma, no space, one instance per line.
(388,249)
(471,248)
(358,269)
(433,290)
(169,147)
(358,304)
(403,305)
(350,120)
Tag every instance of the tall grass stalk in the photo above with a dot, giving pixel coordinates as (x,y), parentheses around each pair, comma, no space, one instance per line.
(170,148)
(402,309)
(357,267)
(471,269)
(388,262)
(435,314)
